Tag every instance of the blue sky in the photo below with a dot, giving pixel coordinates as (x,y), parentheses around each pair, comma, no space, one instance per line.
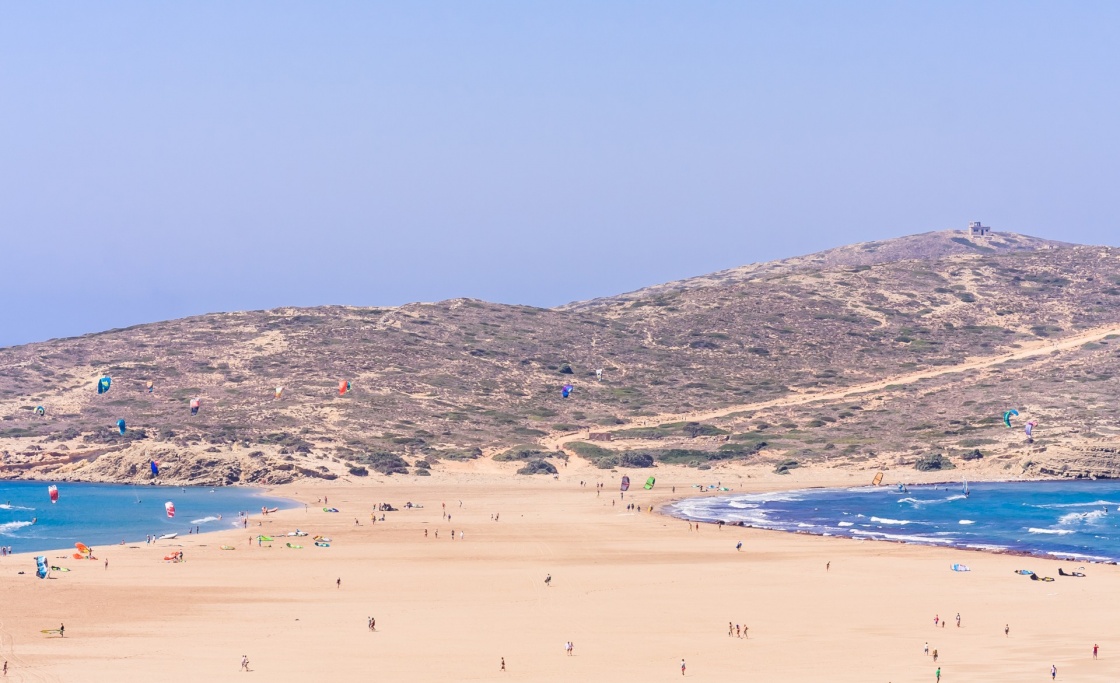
(168,159)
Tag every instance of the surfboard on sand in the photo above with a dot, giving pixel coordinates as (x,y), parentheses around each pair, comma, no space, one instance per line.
(50,630)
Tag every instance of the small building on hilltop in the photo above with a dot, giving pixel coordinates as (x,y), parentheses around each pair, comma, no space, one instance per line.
(977,230)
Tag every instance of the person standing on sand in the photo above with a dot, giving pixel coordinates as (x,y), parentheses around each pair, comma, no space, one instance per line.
(926,650)
(244,662)
(1053,672)
(503,664)
(828,566)
(62,630)
(682,666)
(1095,646)
(935,655)
(548,580)
(338,582)
(936,619)
(958,619)
(1006,630)
(739,546)
(939,673)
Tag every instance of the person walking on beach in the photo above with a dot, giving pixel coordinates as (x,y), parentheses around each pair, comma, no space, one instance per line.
(730,629)
(938,673)
(739,546)
(935,655)
(682,666)
(1053,672)
(1095,646)
(936,619)
(926,650)
(828,565)
(548,580)
(958,619)
(62,630)
(503,664)
(1006,630)
(338,582)
(244,662)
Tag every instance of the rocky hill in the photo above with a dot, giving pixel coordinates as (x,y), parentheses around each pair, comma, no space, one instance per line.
(928,246)
(463,379)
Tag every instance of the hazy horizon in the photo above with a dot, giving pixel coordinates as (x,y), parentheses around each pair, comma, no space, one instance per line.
(168,161)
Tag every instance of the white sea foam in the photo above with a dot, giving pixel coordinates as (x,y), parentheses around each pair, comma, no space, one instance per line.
(204,520)
(1095,503)
(966,521)
(8,527)
(1059,532)
(6,506)
(934,501)
(1080,556)
(846,523)
(884,520)
(902,537)
(1081,517)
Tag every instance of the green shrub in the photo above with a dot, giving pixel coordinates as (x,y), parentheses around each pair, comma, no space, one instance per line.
(538,467)
(933,462)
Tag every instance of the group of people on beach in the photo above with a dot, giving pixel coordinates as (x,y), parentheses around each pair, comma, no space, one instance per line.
(5,550)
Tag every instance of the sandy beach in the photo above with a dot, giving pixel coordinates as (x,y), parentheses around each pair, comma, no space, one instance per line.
(634,592)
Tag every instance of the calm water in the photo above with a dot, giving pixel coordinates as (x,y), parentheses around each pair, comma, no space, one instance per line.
(102,514)
(1078,519)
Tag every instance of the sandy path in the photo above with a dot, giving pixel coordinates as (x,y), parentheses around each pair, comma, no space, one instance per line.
(553,442)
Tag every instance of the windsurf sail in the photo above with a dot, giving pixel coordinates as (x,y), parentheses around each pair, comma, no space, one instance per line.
(52,491)
(877,480)
(83,548)
(155,467)
(40,411)
(625,483)
(122,427)
(960,568)
(170,508)
(103,384)
(195,404)
(41,568)
(649,483)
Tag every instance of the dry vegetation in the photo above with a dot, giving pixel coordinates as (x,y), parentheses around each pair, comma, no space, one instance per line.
(462,379)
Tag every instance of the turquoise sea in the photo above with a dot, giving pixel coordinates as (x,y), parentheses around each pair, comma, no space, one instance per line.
(104,514)
(1067,519)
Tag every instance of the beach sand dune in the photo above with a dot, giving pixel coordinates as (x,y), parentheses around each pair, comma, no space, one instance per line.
(634,592)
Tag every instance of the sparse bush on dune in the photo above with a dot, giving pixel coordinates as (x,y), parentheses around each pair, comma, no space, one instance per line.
(538,467)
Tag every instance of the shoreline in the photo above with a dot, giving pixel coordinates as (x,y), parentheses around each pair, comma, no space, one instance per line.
(262,492)
(948,544)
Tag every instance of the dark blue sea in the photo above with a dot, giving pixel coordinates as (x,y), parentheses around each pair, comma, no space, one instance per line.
(1067,519)
(103,514)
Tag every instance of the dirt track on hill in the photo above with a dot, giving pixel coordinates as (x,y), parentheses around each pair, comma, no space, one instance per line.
(1045,348)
